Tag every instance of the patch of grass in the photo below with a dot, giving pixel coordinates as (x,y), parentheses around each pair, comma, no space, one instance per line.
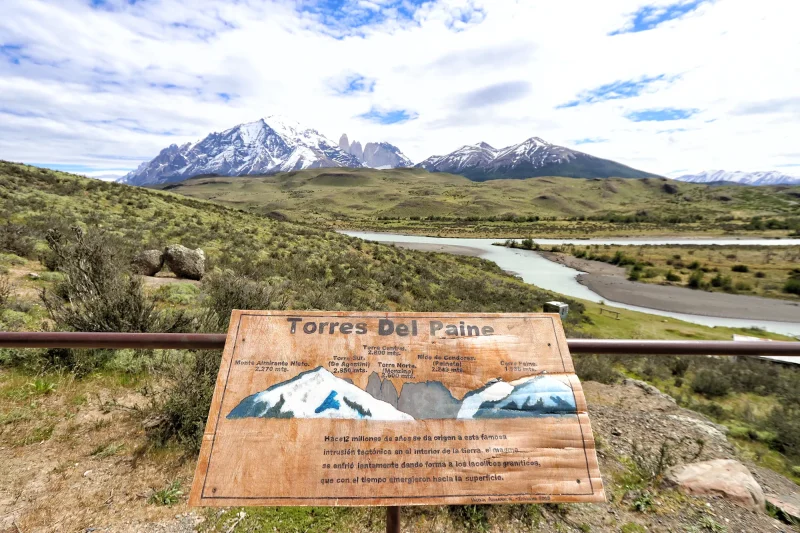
(168,496)
(283,519)
(709,524)
(643,502)
(473,518)
(107,450)
(39,433)
(41,386)
(632,527)
(181,294)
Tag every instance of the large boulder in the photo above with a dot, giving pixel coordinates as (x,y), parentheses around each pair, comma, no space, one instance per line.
(720,477)
(148,262)
(184,262)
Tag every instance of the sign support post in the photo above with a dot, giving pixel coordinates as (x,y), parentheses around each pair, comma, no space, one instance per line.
(393,519)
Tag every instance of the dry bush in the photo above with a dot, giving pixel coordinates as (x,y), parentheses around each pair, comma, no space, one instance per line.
(98,292)
(6,291)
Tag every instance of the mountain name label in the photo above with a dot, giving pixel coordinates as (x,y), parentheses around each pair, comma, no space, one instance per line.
(365,408)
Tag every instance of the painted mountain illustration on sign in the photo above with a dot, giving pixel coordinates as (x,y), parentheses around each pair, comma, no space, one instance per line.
(319,394)
(315,394)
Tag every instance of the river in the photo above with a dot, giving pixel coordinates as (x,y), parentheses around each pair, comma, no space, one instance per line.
(536,270)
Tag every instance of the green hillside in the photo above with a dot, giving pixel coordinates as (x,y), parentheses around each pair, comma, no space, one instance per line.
(317,268)
(439,203)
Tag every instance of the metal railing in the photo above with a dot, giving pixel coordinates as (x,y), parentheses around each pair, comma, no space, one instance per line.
(204,341)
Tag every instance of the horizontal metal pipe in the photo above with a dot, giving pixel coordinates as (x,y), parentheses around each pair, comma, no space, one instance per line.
(202,341)
(738,348)
(167,341)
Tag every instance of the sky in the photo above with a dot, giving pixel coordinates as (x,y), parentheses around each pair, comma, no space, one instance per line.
(670,87)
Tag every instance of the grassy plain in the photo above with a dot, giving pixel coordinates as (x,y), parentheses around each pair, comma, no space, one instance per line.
(415,201)
(758,270)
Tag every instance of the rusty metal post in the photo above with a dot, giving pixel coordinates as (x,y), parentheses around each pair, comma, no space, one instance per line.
(393,520)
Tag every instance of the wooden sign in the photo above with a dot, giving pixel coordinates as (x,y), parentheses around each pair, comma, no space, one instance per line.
(325,408)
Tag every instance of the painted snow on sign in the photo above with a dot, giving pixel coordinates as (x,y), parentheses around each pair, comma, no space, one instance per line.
(537,396)
(315,394)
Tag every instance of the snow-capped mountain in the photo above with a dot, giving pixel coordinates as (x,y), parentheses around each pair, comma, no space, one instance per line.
(535,396)
(375,155)
(531,158)
(468,157)
(742,178)
(266,146)
(315,394)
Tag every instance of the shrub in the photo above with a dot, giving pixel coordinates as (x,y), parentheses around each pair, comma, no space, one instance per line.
(17,239)
(740,268)
(672,276)
(528,244)
(227,291)
(97,293)
(696,280)
(595,368)
(679,366)
(786,421)
(180,413)
(721,281)
(650,464)
(760,275)
(634,275)
(6,290)
(711,384)
(792,286)
(694,265)
(621,259)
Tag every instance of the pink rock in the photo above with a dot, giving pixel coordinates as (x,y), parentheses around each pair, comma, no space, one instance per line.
(721,477)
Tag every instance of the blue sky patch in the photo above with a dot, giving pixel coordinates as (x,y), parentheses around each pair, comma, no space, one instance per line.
(110,4)
(11,51)
(395,116)
(659,115)
(354,84)
(354,14)
(649,17)
(589,140)
(614,91)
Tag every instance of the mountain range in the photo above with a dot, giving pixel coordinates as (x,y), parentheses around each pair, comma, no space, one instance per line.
(531,158)
(318,393)
(741,178)
(277,144)
(266,146)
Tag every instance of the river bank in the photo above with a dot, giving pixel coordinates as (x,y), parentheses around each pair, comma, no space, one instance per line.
(609,281)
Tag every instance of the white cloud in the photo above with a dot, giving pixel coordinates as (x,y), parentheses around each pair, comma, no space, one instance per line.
(108,88)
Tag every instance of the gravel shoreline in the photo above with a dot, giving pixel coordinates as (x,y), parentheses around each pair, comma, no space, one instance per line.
(610,282)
